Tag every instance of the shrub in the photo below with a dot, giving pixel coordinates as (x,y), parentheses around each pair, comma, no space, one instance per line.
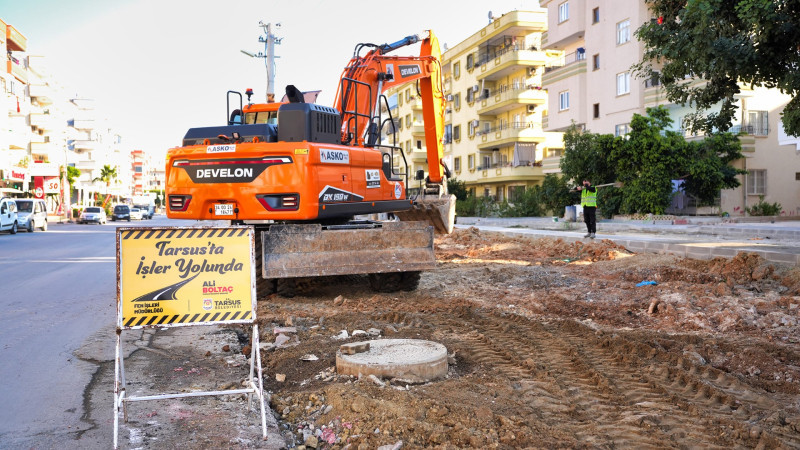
(763,208)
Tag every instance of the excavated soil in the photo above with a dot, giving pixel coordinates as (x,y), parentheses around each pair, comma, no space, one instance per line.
(552,345)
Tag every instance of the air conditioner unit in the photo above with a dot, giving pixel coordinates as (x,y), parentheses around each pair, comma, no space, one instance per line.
(475,88)
(475,123)
(449,97)
(531,108)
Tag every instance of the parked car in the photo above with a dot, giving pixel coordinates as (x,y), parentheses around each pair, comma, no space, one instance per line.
(121,212)
(147,210)
(93,214)
(8,215)
(32,213)
(137,214)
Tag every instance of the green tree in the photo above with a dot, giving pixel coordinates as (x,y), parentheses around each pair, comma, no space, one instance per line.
(527,204)
(724,43)
(457,188)
(708,167)
(586,155)
(647,161)
(653,156)
(72,175)
(555,195)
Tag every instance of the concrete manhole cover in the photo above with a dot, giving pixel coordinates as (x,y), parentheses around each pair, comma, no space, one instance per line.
(414,360)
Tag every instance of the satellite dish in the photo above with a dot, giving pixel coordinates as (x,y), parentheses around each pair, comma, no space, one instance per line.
(491,17)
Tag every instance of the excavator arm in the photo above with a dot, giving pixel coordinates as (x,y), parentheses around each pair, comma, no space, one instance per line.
(366,77)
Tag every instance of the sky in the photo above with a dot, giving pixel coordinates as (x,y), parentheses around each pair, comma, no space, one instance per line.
(156,68)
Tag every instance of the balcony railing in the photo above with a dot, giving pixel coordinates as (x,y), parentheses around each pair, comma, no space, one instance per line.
(506,126)
(760,129)
(486,57)
(499,165)
(566,60)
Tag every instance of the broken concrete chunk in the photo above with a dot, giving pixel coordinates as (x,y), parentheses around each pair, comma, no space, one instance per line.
(374,332)
(281,339)
(339,300)
(309,357)
(283,330)
(280,377)
(342,335)
(359,332)
(354,347)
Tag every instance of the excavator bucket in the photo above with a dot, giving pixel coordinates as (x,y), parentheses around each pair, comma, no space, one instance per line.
(437,211)
(310,250)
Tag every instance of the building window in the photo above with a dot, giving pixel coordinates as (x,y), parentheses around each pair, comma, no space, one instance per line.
(408,121)
(471,162)
(596,110)
(448,133)
(757,123)
(623,31)
(468,96)
(487,162)
(797,176)
(400,99)
(457,132)
(563,12)
(623,83)
(457,101)
(596,15)
(400,123)
(419,144)
(621,130)
(457,164)
(563,100)
(596,61)
(470,61)
(457,70)
(408,95)
(757,182)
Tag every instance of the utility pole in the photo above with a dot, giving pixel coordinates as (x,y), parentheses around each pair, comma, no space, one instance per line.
(269,40)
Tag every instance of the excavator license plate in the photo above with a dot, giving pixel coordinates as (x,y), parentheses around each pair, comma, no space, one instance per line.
(223,209)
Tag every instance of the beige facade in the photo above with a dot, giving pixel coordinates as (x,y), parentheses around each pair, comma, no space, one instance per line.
(592,86)
(494,140)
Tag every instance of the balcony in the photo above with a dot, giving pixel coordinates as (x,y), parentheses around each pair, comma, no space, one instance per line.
(16,68)
(37,63)
(418,129)
(83,103)
(509,134)
(86,165)
(18,139)
(501,101)
(567,65)
(41,92)
(42,121)
(419,156)
(84,144)
(551,164)
(15,41)
(568,31)
(504,172)
(81,124)
(42,148)
(502,63)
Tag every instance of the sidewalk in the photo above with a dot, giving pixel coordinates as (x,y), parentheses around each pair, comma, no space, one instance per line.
(777,242)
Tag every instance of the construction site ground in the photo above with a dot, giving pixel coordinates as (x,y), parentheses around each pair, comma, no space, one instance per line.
(554,342)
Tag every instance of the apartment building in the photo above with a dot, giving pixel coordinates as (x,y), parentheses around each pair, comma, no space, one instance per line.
(494,141)
(592,86)
(15,132)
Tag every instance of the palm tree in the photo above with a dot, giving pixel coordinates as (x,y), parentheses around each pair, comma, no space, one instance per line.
(107,175)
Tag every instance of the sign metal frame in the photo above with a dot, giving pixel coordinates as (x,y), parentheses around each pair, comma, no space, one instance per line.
(254,386)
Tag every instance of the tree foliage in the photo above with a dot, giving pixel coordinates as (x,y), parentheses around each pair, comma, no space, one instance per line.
(457,188)
(586,155)
(723,42)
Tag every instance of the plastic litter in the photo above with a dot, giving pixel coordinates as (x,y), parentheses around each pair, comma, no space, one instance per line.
(646,283)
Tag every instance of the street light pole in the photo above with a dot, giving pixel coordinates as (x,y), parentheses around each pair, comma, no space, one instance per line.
(269,40)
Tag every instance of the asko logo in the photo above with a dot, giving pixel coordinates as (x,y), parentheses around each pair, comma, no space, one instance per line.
(331,156)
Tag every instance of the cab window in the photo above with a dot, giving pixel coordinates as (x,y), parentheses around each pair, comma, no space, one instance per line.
(270,117)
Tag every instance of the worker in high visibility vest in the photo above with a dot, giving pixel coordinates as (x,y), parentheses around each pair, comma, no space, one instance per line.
(589,204)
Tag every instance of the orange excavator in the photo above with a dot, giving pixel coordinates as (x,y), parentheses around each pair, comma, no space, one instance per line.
(306,182)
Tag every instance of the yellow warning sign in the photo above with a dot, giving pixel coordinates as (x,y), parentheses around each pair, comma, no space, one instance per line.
(185,276)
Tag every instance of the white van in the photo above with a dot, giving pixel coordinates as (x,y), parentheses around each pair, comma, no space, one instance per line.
(32,213)
(8,215)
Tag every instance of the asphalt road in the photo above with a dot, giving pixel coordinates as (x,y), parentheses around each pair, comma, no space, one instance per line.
(57,312)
